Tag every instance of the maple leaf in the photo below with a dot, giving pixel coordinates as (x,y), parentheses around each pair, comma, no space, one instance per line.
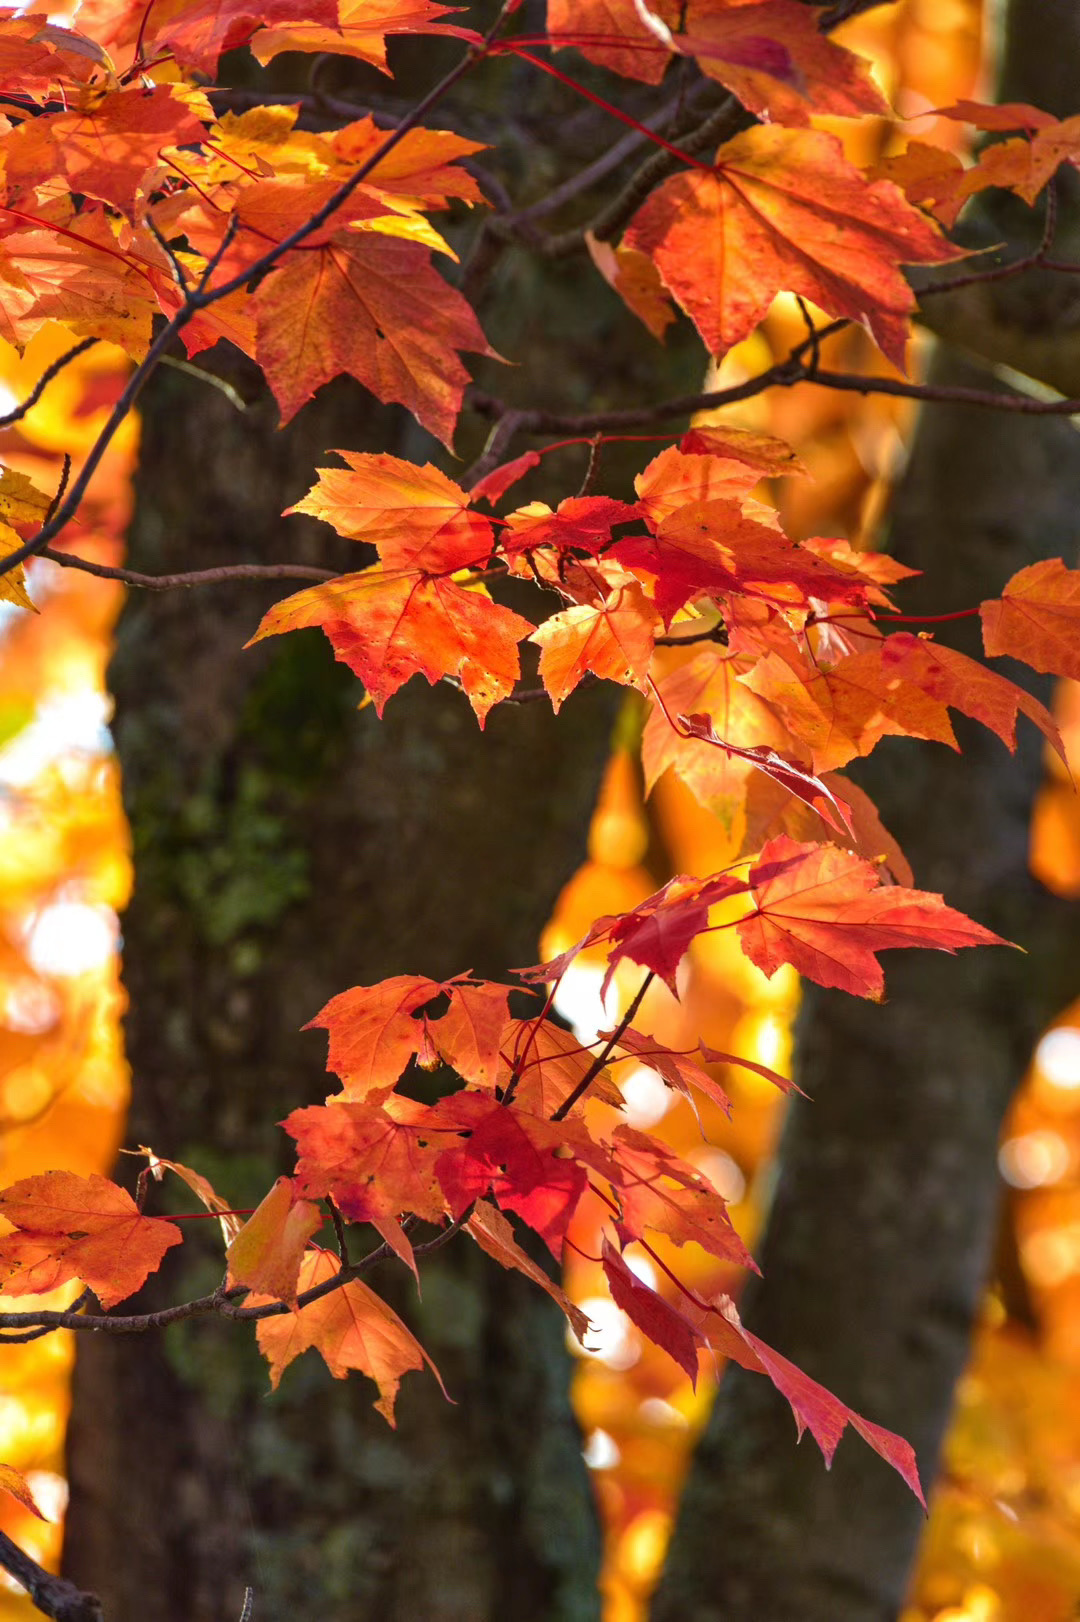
(493,1233)
(657,933)
(649,1312)
(373,1031)
(350,1327)
(776,60)
(198,31)
(21,502)
(771,810)
(679,1070)
(14,1482)
(110,148)
(678,477)
(713,548)
(36,55)
(767,455)
(581,523)
(374,1161)
(929,176)
(415,516)
(516,1156)
(469,1035)
(266,1254)
(229,1222)
(636,280)
(616,35)
(1025,166)
(420,172)
(815,1409)
(707,682)
(1037,618)
(376,308)
(658,1190)
(360,29)
(784,210)
(788,773)
(951,678)
(388,627)
(845,710)
(500,479)
(613,639)
(78,1227)
(544,1064)
(81,279)
(826,912)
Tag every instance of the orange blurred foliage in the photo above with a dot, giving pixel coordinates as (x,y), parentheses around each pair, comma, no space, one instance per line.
(64,873)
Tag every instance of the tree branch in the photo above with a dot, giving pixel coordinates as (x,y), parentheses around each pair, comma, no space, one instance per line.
(193,577)
(54,1596)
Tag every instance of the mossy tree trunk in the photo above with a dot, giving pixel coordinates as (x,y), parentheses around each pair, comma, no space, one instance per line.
(880,1236)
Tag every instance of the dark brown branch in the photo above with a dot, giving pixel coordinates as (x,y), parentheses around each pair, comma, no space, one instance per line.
(54,1596)
(222,1302)
(786,374)
(194,577)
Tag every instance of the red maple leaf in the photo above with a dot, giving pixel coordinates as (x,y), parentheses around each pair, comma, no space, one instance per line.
(826,912)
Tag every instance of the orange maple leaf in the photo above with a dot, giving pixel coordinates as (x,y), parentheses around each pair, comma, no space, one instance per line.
(374,1031)
(658,1190)
(78,1227)
(266,1254)
(784,210)
(415,516)
(360,29)
(1037,619)
(351,1328)
(826,912)
(110,148)
(777,61)
(374,1160)
(374,307)
(613,639)
(493,1233)
(14,1482)
(388,627)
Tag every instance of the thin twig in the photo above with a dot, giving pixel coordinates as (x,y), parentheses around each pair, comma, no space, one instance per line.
(605,1053)
(44,380)
(219,576)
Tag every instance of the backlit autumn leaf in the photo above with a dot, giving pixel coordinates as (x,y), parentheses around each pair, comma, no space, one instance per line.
(784,210)
(415,516)
(614,640)
(374,1032)
(493,1233)
(266,1254)
(388,627)
(826,912)
(1037,619)
(14,1482)
(78,1227)
(351,1327)
(377,309)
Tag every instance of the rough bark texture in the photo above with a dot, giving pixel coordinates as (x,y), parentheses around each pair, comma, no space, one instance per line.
(288,847)
(880,1235)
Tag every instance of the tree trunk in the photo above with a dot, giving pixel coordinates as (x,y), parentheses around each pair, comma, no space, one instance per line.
(287,847)
(879,1239)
